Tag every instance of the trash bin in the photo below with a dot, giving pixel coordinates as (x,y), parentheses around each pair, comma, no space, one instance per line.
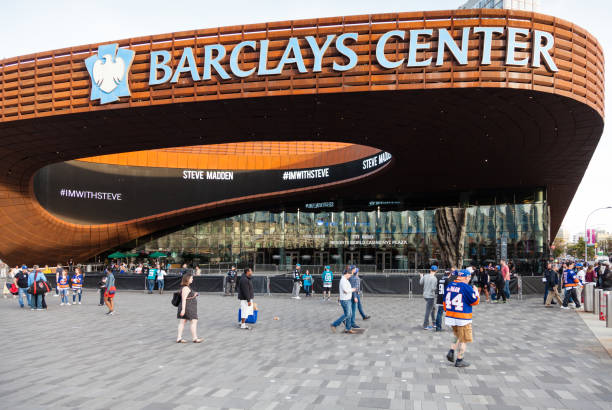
(588,293)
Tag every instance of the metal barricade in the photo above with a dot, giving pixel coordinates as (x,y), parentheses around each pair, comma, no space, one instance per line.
(519,284)
(589,293)
(597,302)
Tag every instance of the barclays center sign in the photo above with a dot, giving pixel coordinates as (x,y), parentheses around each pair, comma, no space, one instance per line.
(109,71)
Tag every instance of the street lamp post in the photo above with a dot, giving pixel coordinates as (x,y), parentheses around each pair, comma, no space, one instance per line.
(586,258)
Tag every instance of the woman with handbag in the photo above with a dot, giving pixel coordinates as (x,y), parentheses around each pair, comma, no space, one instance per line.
(109,293)
(188,310)
(37,287)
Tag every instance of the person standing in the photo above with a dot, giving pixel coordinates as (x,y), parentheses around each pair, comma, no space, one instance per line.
(160,278)
(58,272)
(346,293)
(459,298)
(328,278)
(230,281)
(102,287)
(505,272)
(430,284)
(590,276)
(570,283)
(246,294)
(151,276)
(307,280)
(606,277)
(21,280)
(63,284)
(442,284)
(109,293)
(188,310)
(77,285)
(547,284)
(297,282)
(37,300)
(356,305)
(581,275)
(498,280)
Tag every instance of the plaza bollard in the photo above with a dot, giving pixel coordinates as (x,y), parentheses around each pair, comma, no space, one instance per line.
(588,293)
(603,308)
(609,310)
(597,302)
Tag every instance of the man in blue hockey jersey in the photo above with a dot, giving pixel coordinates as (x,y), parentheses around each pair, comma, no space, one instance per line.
(459,297)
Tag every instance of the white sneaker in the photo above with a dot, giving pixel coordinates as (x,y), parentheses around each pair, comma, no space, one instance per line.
(297,297)
(55,296)
(565,307)
(68,304)
(62,304)
(79,303)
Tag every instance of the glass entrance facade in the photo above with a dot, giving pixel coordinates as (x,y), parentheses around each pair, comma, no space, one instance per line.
(379,240)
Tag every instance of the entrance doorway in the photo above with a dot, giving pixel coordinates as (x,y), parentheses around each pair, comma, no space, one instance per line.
(292,258)
(321,258)
(351,258)
(383,261)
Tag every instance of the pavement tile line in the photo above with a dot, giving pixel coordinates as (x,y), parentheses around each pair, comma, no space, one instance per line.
(523,356)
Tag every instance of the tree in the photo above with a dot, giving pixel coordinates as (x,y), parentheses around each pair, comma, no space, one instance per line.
(560,247)
(577,250)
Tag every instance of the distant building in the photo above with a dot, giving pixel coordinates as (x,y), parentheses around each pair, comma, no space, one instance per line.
(563,234)
(525,5)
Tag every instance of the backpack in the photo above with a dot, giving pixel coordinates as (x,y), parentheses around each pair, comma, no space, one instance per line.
(22,280)
(176,298)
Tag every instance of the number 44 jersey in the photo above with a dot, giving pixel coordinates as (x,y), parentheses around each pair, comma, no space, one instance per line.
(458,301)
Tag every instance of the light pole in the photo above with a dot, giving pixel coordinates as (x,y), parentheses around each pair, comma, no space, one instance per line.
(586,258)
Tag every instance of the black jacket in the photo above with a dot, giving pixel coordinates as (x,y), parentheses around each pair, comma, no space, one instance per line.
(606,280)
(245,288)
(551,276)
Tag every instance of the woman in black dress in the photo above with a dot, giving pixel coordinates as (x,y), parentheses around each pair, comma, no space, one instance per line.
(188,310)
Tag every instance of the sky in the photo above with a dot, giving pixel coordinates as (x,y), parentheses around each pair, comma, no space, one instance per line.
(30,26)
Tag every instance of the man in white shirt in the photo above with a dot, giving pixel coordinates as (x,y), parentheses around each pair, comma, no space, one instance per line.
(346,292)
(581,278)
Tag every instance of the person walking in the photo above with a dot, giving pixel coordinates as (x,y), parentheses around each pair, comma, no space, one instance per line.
(188,310)
(109,293)
(77,285)
(307,280)
(356,305)
(160,278)
(297,282)
(442,284)
(552,284)
(545,278)
(246,294)
(64,284)
(430,284)
(570,283)
(58,272)
(459,298)
(37,299)
(328,278)
(498,280)
(21,280)
(346,293)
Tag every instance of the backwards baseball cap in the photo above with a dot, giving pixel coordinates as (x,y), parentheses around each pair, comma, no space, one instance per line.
(579,265)
(352,267)
(327,267)
(24,267)
(464,272)
(356,271)
(434,267)
(297,264)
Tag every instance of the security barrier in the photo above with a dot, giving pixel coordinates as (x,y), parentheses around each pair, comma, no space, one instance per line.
(603,307)
(597,302)
(609,310)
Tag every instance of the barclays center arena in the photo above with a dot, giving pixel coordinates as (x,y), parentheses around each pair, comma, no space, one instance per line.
(390,141)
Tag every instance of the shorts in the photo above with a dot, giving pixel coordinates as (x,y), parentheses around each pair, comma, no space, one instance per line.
(245,309)
(327,285)
(463,333)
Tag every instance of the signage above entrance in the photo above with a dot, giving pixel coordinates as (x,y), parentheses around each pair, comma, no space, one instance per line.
(516,40)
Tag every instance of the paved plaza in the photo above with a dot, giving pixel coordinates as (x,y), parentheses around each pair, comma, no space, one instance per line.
(524,356)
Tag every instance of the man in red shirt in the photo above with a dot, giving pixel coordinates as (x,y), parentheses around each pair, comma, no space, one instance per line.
(505,271)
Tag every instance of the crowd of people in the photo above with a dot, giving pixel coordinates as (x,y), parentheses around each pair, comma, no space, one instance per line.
(564,281)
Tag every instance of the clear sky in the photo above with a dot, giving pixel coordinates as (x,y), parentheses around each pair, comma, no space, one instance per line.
(29,26)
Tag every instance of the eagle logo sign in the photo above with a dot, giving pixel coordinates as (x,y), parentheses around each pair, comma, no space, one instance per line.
(109,73)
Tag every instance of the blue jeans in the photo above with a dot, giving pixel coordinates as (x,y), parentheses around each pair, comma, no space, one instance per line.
(356,306)
(150,284)
(37,301)
(24,291)
(307,289)
(64,295)
(439,317)
(346,316)
(160,284)
(507,288)
(76,292)
(430,310)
